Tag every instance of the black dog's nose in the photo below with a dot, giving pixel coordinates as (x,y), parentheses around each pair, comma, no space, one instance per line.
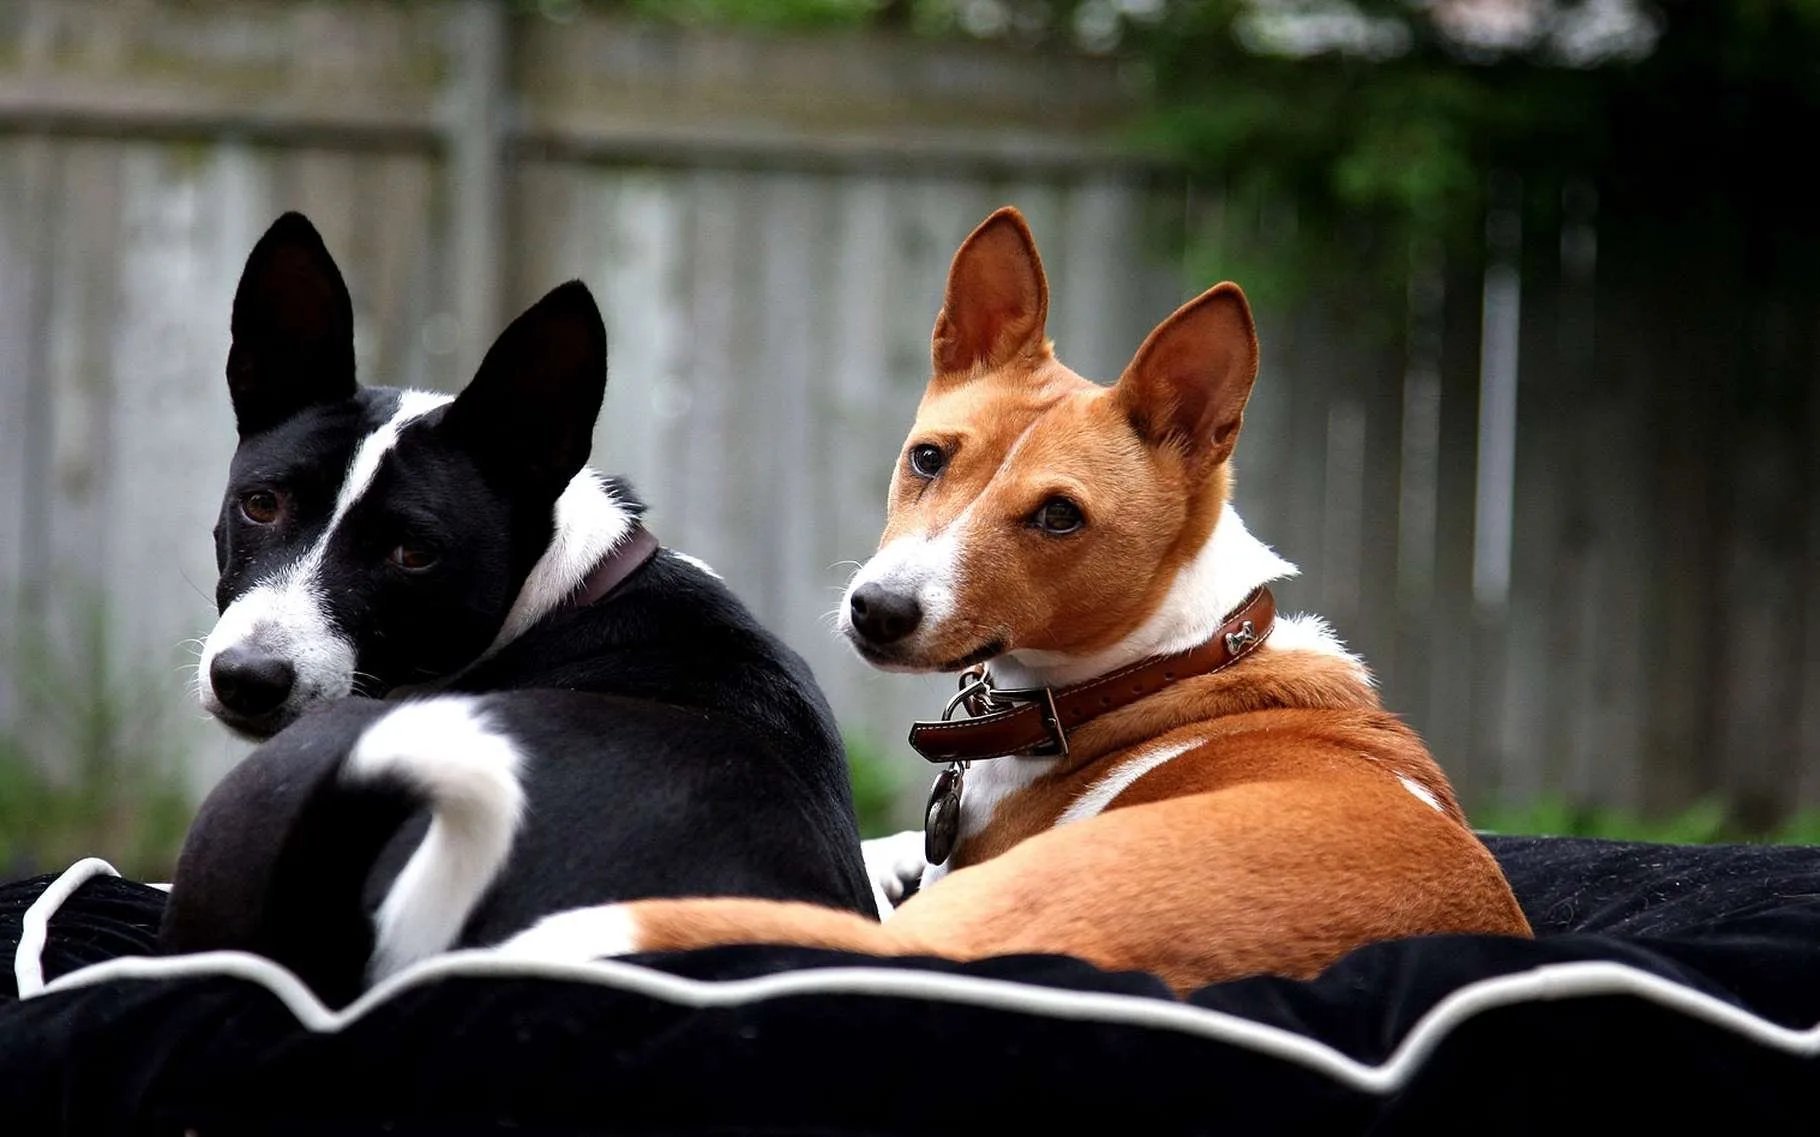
(250,682)
(884,617)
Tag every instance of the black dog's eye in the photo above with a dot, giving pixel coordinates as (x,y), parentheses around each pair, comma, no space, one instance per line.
(1058,515)
(261,507)
(927,460)
(413,558)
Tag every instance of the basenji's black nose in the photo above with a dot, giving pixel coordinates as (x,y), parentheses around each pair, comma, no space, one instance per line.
(250,682)
(884,617)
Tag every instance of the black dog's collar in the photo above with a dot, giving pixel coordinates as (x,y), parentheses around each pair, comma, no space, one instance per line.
(626,558)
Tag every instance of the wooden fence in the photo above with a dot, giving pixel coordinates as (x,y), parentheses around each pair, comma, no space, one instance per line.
(1497,512)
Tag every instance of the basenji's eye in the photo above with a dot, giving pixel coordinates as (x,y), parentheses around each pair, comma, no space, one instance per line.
(261,507)
(413,558)
(1057,515)
(927,460)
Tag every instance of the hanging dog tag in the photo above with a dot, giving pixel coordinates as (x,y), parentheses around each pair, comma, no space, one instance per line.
(942,816)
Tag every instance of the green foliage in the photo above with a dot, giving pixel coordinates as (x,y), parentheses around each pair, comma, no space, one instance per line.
(1374,127)
(79,773)
(759,13)
(1706,822)
(877,787)
(134,820)
(1378,151)
(772,13)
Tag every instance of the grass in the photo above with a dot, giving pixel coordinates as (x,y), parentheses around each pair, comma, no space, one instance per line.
(878,788)
(85,774)
(133,821)
(1703,823)
(84,770)
(109,796)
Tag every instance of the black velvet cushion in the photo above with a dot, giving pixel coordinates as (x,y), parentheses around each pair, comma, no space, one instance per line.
(1688,1001)
(107,917)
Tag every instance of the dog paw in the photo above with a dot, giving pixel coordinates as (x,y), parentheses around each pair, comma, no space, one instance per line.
(895,864)
(579,935)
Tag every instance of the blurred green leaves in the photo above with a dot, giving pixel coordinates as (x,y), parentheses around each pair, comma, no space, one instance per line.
(1377,126)
(82,769)
(130,818)
(1704,823)
(878,788)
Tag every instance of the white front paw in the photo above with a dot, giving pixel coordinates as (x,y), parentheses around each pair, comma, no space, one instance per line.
(576,936)
(895,864)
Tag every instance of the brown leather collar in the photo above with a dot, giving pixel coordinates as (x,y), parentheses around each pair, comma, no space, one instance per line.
(621,561)
(1040,718)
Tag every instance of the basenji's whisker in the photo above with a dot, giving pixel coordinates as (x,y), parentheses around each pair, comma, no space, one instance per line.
(1247,805)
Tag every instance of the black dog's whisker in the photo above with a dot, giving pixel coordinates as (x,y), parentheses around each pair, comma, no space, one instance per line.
(194,586)
(581,655)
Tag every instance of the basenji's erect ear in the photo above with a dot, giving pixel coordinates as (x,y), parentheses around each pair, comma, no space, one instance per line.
(997,300)
(528,415)
(1187,385)
(293,328)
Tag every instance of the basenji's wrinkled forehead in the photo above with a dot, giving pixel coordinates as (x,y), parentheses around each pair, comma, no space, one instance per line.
(1033,511)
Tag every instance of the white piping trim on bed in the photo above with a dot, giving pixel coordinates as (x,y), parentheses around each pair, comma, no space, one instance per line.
(35,925)
(1583,979)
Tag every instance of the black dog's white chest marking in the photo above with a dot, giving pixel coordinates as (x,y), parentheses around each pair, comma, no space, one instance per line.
(462,736)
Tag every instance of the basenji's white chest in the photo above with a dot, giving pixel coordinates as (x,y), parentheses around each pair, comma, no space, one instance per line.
(986,787)
(990,784)
(1213,584)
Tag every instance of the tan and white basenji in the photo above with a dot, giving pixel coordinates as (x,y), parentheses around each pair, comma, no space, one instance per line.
(1159,774)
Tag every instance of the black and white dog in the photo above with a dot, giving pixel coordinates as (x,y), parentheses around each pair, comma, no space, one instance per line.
(487,693)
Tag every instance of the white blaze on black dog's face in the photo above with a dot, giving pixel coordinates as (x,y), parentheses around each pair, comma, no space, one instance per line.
(372,538)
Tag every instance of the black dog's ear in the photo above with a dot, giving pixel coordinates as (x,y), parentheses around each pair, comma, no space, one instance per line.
(293,328)
(528,415)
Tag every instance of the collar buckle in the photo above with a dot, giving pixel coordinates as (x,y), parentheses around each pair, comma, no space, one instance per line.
(981,698)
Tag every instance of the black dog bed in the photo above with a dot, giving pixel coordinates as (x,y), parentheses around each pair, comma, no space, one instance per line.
(1671,989)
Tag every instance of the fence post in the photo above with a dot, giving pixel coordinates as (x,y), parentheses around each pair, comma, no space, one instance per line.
(473,133)
(1494,496)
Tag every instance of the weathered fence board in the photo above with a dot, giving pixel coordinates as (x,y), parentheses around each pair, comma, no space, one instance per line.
(768,223)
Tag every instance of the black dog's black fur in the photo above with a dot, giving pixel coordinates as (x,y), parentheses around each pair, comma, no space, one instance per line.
(671,745)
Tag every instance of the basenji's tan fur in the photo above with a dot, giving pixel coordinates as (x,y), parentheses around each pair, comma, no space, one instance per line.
(1264,819)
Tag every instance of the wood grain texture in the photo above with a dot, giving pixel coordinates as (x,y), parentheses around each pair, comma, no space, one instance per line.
(770,260)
